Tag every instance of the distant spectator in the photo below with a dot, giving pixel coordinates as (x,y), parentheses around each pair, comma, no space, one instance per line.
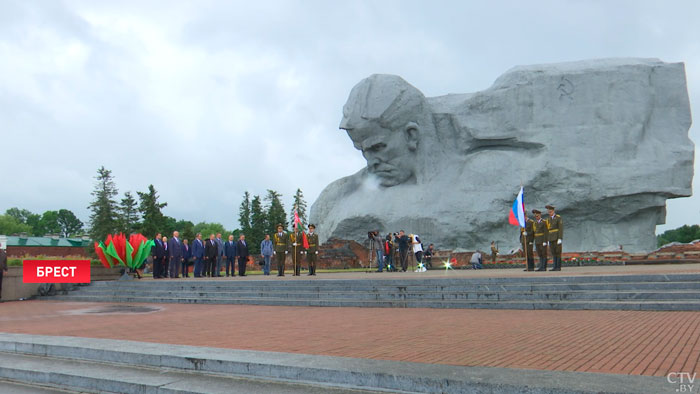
(166,258)
(230,255)
(417,248)
(494,251)
(3,267)
(266,253)
(175,252)
(389,253)
(220,257)
(198,255)
(403,241)
(428,256)
(186,258)
(476,261)
(379,245)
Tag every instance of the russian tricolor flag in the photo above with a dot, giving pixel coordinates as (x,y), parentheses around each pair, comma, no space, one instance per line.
(516,217)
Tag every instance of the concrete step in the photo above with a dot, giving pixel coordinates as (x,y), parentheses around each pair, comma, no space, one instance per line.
(408,295)
(661,305)
(101,365)
(103,377)
(237,286)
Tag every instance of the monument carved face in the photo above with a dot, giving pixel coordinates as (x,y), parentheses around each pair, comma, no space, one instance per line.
(390,154)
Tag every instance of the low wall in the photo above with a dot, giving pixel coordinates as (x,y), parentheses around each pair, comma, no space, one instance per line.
(14,289)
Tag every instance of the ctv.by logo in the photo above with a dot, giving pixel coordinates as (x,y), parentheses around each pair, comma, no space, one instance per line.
(684,380)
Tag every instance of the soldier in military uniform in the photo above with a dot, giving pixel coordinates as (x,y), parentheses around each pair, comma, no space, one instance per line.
(527,237)
(312,252)
(280,242)
(555,228)
(540,230)
(297,240)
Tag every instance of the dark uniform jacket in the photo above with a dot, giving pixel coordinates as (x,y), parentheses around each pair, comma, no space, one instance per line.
(555,228)
(313,242)
(540,231)
(211,249)
(280,243)
(530,229)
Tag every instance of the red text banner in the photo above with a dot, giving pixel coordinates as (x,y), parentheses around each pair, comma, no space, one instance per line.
(56,271)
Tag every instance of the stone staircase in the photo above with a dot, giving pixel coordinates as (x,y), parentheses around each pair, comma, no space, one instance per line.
(620,292)
(91,365)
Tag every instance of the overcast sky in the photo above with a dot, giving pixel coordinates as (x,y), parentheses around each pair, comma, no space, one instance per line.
(208,99)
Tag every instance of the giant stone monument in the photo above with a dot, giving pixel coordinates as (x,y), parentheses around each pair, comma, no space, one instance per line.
(605,141)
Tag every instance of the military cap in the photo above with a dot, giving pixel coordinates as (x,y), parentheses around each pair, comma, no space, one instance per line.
(535,211)
(280,225)
(312,226)
(549,206)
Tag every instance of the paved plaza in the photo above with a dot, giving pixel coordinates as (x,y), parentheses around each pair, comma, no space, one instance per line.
(644,343)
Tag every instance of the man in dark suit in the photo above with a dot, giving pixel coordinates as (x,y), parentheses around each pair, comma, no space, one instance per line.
(242,253)
(166,258)
(158,254)
(211,253)
(220,258)
(230,255)
(186,256)
(198,254)
(175,248)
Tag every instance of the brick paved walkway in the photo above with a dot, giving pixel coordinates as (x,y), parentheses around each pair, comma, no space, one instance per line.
(622,342)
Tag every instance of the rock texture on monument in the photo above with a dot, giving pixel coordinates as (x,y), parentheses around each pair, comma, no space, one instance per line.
(605,141)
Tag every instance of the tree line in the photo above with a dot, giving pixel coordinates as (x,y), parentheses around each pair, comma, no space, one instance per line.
(257,216)
(63,222)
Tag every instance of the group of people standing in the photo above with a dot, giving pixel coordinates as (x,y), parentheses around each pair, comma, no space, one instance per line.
(386,247)
(543,233)
(172,256)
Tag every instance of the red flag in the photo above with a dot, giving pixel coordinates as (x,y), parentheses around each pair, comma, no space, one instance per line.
(296,219)
(305,242)
(101,255)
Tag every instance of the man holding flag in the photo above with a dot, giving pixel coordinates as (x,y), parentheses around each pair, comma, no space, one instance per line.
(297,239)
(517,217)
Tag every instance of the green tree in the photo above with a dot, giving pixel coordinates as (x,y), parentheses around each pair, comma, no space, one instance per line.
(24,216)
(103,219)
(68,223)
(244,213)
(153,219)
(129,215)
(300,206)
(186,229)
(257,225)
(211,228)
(274,211)
(683,234)
(9,225)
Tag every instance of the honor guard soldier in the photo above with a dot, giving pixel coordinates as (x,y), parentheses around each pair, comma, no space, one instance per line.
(297,240)
(555,228)
(527,237)
(312,252)
(281,245)
(540,230)
(494,251)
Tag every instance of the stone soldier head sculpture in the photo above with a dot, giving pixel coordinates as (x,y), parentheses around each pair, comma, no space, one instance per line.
(389,121)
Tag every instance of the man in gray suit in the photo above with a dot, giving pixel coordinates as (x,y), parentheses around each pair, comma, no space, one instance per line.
(220,245)
(175,249)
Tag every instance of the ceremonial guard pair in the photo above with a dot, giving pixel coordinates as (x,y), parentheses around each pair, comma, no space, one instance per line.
(295,242)
(543,232)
